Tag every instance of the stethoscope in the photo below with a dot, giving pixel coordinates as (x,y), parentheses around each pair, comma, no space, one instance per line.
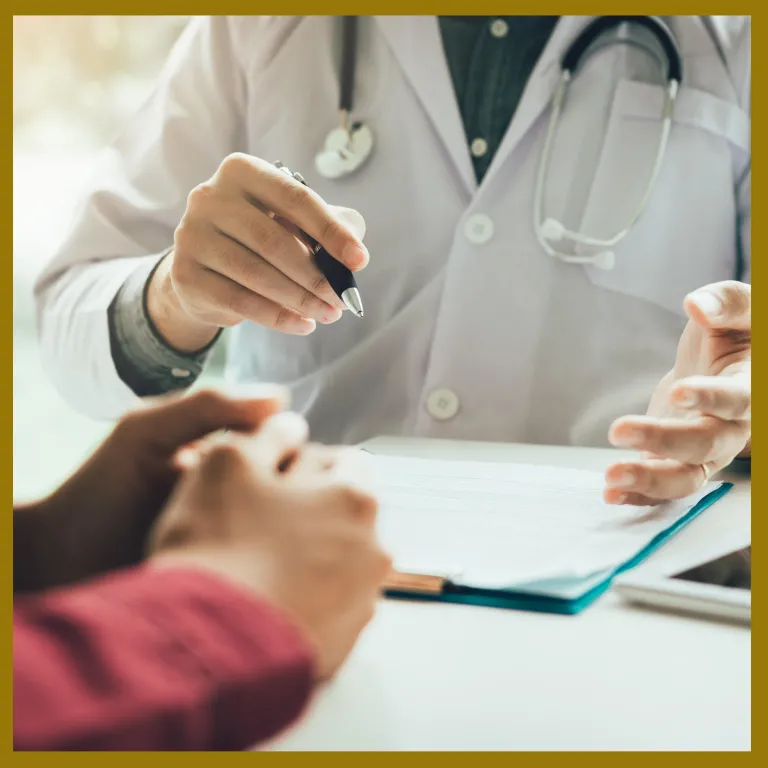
(349,146)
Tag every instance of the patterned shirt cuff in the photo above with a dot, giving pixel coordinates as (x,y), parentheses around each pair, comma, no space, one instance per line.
(143,359)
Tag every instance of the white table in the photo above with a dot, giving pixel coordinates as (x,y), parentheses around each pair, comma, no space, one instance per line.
(453,677)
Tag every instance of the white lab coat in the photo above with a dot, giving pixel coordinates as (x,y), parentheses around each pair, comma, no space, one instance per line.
(470,330)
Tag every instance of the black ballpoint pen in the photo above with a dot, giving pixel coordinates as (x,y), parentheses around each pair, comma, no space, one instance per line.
(337,274)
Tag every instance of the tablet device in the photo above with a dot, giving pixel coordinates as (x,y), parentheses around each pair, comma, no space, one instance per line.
(718,589)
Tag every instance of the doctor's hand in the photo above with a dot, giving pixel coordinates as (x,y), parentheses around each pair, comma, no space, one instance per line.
(699,418)
(99,519)
(238,255)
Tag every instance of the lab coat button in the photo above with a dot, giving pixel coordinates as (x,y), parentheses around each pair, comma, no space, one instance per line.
(478,229)
(443,404)
(478,147)
(499,28)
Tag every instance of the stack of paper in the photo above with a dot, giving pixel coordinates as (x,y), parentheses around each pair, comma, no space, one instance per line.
(518,527)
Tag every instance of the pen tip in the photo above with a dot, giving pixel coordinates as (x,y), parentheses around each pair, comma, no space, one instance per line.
(351,297)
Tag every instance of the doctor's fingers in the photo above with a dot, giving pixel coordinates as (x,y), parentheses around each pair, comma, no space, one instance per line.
(276,191)
(222,301)
(726,397)
(691,441)
(653,481)
(227,257)
(248,224)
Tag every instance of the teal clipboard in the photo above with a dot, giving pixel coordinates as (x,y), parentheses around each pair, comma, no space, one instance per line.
(542,603)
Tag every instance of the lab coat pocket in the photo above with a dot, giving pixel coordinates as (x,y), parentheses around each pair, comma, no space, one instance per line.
(687,235)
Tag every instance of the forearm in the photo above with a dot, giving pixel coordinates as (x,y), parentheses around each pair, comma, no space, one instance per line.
(154,660)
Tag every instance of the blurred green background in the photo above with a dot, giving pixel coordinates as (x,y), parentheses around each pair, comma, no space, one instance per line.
(75,79)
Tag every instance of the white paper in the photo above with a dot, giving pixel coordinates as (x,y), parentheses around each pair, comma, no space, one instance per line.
(500,525)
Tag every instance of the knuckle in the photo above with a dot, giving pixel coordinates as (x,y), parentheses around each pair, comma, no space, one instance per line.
(281,319)
(740,340)
(269,240)
(744,408)
(309,301)
(653,485)
(332,231)
(295,195)
(736,296)
(222,458)
(130,425)
(234,165)
(253,271)
(200,198)
(208,399)
(658,439)
(320,284)
(236,303)
(708,443)
(711,401)
(357,502)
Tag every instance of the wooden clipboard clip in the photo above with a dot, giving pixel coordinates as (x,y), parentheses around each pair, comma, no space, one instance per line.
(416,583)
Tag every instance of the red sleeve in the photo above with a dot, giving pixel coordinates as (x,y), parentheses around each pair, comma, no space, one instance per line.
(154,660)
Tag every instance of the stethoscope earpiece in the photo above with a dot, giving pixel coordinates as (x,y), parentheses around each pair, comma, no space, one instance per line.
(555,231)
(605,260)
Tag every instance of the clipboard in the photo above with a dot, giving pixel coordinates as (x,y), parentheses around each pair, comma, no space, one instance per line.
(436,588)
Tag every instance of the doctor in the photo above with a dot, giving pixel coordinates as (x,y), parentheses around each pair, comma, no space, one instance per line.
(511,290)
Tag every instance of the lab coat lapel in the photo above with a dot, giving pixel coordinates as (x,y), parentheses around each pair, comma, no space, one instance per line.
(539,89)
(417,45)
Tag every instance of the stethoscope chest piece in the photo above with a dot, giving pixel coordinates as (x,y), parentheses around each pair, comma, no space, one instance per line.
(345,151)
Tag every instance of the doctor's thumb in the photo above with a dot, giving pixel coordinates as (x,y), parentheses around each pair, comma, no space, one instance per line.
(725,305)
(352,219)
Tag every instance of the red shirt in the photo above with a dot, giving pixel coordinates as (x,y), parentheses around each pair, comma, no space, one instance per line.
(154,660)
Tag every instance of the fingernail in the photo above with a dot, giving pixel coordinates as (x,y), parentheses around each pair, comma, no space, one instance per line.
(621,499)
(291,422)
(708,303)
(625,479)
(187,458)
(306,326)
(629,438)
(331,315)
(354,256)
(327,312)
